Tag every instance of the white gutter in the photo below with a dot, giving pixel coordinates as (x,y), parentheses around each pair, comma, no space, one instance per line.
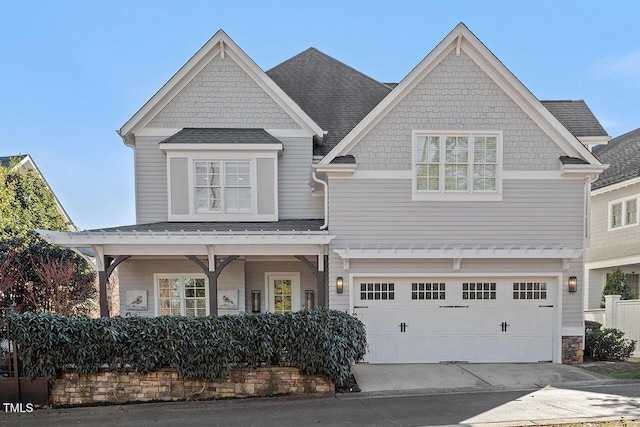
(326,200)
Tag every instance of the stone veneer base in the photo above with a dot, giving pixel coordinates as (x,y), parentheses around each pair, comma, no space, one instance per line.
(572,350)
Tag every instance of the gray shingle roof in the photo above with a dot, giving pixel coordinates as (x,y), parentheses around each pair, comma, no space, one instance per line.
(566,160)
(576,117)
(221,136)
(160,227)
(333,94)
(623,156)
(6,160)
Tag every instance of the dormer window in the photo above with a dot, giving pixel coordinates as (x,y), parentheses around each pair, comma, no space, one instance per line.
(222,186)
(222,175)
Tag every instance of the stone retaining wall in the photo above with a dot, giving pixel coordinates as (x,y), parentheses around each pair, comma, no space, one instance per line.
(72,388)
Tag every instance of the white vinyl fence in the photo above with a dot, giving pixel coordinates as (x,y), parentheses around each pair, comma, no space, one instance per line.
(623,315)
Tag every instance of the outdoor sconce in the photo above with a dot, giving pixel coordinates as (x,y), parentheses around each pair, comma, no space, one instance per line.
(573,284)
(339,285)
(309,300)
(255,302)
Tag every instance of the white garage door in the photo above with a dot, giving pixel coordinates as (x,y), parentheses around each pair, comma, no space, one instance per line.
(422,320)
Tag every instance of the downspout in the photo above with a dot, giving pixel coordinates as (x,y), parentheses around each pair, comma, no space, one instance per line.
(326,200)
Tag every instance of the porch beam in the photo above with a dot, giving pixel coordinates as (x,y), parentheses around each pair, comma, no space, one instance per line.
(212,276)
(106,264)
(319,274)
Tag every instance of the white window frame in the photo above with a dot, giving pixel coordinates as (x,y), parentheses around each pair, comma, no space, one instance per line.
(624,203)
(226,155)
(269,277)
(223,186)
(457,195)
(181,277)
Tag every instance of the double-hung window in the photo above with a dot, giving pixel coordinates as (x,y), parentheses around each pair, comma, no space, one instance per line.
(456,165)
(623,213)
(222,186)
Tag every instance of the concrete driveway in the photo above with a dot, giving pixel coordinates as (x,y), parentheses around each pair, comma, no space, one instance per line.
(411,378)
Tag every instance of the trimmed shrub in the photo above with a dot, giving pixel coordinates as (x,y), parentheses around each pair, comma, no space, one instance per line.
(318,341)
(608,344)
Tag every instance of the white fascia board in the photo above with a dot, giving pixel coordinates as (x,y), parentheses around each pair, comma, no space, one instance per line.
(490,64)
(164,147)
(336,168)
(158,132)
(88,239)
(216,44)
(613,262)
(464,253)
(586,170)
(616,186)
(594,140)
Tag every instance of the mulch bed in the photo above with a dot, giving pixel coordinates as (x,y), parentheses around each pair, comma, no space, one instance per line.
(612,367)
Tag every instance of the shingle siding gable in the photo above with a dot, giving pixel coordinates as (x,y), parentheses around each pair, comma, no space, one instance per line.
(457,95)
(223,95)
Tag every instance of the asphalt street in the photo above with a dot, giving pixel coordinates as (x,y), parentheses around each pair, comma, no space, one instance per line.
(546,405)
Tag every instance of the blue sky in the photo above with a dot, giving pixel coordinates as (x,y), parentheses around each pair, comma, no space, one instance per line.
(75,71)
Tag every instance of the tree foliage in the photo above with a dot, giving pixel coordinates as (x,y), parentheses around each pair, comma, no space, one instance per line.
(34,275)
(317,341)
(616,285)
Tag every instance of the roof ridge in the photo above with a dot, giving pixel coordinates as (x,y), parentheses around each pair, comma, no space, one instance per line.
(334,60)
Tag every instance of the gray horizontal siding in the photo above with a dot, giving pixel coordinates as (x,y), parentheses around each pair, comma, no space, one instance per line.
(151,181)
(255,278)
(137,274)
(372,212)
(616,243)
(294,175)
(382,212)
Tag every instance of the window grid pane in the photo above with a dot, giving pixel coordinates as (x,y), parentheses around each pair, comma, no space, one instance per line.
(377,291)
(182,296)
(529,290)
(632,209)
(207,187)
(456,163)
(428,291)
(616,215)
(475,290)
(237,187)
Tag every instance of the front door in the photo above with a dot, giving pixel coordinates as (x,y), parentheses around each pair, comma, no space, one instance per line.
(283,292)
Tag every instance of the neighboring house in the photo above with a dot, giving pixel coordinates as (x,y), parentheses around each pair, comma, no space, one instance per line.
(615,234)
(448,211)
(24,162)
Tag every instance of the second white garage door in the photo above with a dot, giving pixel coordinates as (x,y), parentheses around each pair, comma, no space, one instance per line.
(422,320)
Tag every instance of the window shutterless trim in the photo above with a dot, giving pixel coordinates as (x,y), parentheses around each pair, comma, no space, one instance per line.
(624,211)
(462,195)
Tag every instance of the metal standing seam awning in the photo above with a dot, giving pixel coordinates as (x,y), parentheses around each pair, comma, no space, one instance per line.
(113,246)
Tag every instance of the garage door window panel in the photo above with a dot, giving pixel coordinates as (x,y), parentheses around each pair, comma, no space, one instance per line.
(479,291)
(529,291)
(428,291)
(377,291)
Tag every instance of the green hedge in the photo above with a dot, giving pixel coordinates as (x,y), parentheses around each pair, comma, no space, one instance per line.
(318,341)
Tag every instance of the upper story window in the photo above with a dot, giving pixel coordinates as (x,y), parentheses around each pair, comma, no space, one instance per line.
(457,165)
(623,213)
(222,186)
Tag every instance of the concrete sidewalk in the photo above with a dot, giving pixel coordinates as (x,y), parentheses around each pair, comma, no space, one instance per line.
(442,378)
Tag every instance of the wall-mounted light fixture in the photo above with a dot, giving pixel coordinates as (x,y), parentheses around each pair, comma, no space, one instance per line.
(339,285)
(309,300)
(573,284)
(256,302)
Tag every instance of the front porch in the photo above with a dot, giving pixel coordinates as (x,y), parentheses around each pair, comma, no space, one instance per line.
(199,269)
